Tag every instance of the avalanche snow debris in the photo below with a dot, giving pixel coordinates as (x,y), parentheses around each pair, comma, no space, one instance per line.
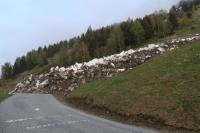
(62,69)
(44,82)
(61,80)
(121,70)
(113,65)
(52,69)
(148,56)
(41,76)
(161,49)
(57,68)
(30,77)
(37,83)
(20,85)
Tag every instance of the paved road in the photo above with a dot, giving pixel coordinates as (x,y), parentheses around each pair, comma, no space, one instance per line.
(36,113)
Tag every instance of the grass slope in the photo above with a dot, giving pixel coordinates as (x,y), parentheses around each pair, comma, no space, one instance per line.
(3,95)
(166,87)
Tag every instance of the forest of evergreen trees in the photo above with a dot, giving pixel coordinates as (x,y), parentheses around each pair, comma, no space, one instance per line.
(104,41)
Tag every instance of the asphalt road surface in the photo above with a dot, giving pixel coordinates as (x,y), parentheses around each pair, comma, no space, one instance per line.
(36,113)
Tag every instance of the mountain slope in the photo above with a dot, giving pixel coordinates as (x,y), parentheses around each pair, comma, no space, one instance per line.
(165,88)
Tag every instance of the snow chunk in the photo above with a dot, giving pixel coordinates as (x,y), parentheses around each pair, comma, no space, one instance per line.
(27,82)
(62,69)
(20,85)
(43,84)
(57,68)
(171,49)
(46,82)
(121,70)
(37,83)
(113,65)
(52,69)
(161,49)
(183,40)
(41,76)
(148,56)
(13,91)
(190,39)
(30,77)
(131,51)
(76,68)
(151,46)
(95,62)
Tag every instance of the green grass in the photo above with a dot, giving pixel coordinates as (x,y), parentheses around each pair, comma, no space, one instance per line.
(3,95)
(168,86)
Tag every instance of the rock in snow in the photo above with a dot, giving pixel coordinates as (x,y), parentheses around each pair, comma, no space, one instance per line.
(61,80)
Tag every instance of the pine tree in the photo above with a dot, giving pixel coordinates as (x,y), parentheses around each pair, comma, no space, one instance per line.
(148,27)
(82,53)
(91,41)
(6,71)
(137,32)
(115,42)
(17,66)
(173,18)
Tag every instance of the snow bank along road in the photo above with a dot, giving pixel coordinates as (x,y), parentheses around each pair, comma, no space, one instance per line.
(39,113)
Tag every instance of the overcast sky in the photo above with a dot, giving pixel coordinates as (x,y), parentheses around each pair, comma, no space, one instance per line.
(27,24)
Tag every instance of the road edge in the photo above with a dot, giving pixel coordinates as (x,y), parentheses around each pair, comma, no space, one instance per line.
(137,120)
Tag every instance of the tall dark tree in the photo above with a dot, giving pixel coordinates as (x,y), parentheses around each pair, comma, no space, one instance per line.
(6,71)
(17,66)
(173,18)
(148,27)
(23,64)
(90,40)
(137,32)
(115,42)
(126,29)
(82,52)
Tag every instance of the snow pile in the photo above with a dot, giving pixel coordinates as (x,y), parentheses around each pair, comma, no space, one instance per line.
(61,80)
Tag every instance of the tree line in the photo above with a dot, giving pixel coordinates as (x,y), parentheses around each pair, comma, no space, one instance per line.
(104,41)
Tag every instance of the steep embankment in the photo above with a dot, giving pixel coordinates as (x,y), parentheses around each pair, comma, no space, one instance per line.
(165,90)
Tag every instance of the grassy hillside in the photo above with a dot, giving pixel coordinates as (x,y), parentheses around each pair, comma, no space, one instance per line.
(3,95)
(166,87)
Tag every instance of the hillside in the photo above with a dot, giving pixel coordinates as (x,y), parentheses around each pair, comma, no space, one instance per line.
(154,79)
(136,84)
(65,79)
(191,26)
(165,90)
(181,20)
